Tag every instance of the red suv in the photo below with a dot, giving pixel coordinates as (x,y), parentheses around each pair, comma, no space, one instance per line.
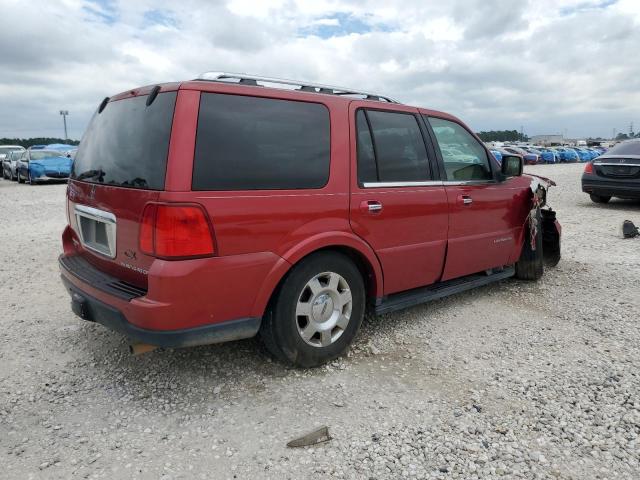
(229,206)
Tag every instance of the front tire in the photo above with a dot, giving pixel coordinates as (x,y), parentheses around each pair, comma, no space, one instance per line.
(20,179)
(316,312)
(530,266)
(599,198)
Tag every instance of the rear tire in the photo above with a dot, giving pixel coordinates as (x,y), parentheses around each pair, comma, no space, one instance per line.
(530,266)
(316,311)
(599,198)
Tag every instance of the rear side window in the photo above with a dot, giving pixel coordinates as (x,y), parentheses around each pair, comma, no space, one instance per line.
(397,152)
(126,145)
(252,143)
(464,158)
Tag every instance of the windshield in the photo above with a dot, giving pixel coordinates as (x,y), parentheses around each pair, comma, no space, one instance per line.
(6,150)
(40,154)
(625,148)
(127,143)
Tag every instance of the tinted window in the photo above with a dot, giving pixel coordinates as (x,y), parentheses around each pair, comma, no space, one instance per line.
(250,143)
(463,156)
(625,148)
(127,144)
(367,171)
(401,155)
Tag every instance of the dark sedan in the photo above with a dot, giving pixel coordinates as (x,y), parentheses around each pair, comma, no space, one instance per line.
(614,174)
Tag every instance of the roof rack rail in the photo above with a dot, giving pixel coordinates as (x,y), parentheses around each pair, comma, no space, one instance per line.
(302,86)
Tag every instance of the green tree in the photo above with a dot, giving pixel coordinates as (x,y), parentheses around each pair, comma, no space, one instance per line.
(27,142)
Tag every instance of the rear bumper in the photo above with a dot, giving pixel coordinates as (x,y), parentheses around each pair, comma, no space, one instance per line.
(91,300)
(611,188)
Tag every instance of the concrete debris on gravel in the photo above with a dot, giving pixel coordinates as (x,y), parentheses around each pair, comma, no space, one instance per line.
(513,380)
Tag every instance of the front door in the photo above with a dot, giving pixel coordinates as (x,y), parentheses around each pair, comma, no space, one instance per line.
(484,221)
(398,203)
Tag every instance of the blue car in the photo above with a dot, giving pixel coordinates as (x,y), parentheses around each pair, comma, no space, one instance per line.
(594,153)
(497,155)
(583,155)
(43,165)
(567,154)
(546,155)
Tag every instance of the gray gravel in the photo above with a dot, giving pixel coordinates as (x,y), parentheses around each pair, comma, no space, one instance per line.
(521,380)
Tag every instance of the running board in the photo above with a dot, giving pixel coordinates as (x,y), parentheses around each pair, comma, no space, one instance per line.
(398,301)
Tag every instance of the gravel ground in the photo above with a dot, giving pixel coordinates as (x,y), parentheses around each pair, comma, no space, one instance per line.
(520,380)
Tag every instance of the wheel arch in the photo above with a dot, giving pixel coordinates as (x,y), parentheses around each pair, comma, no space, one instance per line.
(349,245)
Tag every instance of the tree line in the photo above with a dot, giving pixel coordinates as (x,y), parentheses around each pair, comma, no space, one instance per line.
(27,142)
(503,136)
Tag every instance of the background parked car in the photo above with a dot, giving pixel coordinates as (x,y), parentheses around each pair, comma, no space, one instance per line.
(614,174)
(567,154)
(545,155)
(497,155)
(5,150)
(583,155)
(529,158)
(9,164)
(43,165)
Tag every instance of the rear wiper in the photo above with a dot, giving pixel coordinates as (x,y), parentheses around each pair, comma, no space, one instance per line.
(92,174)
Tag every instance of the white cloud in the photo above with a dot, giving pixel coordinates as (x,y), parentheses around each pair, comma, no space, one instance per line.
(546,65)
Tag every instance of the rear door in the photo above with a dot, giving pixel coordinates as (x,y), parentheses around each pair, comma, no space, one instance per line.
(120,167)
(484,215)
(398,204)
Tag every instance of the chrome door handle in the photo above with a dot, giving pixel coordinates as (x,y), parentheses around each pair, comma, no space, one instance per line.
(371,206)
(465,199)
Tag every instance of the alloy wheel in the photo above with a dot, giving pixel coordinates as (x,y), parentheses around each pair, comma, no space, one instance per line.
(323,310)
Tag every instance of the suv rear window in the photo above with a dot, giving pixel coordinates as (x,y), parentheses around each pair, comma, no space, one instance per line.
(252,143)
(127,143)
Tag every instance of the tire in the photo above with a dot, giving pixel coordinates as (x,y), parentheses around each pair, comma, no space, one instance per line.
(530,265)
(599,198)
(20,179)
(299,308)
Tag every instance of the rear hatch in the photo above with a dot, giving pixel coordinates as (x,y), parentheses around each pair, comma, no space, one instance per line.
(120,166)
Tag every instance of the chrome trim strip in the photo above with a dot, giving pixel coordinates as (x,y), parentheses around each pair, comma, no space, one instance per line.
(433,183)
(617,164)
(468,182)
(95,214)
(108,219)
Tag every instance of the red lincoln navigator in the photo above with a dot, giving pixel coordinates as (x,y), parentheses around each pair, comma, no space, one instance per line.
(233,205)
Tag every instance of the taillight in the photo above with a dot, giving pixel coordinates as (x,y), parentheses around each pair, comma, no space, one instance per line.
(588,168)
(175,231)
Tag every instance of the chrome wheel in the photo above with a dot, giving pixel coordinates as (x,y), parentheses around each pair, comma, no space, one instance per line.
(324,309)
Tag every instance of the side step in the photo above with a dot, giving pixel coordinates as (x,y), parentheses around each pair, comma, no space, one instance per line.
(398,301)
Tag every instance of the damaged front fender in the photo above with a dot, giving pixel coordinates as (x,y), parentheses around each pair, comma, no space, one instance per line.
(551,228)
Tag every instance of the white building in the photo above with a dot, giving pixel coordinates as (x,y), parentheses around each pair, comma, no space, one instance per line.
(547,139)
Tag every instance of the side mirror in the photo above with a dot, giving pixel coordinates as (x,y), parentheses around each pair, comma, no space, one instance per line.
(512,165)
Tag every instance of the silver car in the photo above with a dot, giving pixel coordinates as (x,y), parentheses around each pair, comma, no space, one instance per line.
(8,158)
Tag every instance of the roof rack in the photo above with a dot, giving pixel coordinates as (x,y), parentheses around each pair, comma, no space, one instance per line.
(245,79)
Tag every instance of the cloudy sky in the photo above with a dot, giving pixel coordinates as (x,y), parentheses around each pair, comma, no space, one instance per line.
(550,66)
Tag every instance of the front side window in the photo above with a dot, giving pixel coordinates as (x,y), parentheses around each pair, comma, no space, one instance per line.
(464,158)
(253,143)
(393,146)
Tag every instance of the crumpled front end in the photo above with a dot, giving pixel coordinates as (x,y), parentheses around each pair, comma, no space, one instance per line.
(546,220)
